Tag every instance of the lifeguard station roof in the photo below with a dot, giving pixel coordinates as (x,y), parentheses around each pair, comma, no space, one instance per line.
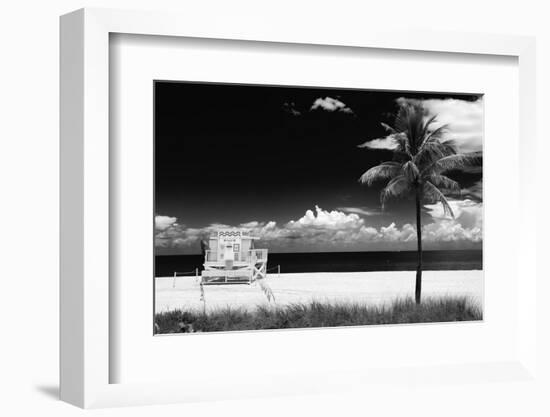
(242,233)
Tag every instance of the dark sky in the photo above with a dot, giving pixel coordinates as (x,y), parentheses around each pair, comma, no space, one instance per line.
(232,154)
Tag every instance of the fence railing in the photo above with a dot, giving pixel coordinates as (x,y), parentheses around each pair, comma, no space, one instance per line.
(188,273)
(252,255)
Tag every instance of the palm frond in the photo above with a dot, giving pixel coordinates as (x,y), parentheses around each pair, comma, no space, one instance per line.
(410,170)
(403,144)
(389,128)
(397,187)
(411,120)
(444,183)
(402,157)
(434,194)
(384,171)
(436,134)
(457,161)
(426,127)
(434,150)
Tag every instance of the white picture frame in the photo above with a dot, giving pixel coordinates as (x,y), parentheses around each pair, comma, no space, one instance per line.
(85,354)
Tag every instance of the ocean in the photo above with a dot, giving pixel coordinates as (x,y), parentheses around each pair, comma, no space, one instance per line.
(340,261)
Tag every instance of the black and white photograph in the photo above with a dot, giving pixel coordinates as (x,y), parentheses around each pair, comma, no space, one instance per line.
(304,208)
(289,207)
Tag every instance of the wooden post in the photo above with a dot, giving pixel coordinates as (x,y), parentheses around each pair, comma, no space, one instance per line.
(203,298)
(278,271)
(196,274)
(174,281)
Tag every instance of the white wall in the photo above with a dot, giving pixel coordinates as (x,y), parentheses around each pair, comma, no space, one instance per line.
(29,178)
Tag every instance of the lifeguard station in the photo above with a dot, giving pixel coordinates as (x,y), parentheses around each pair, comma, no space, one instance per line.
(232,259)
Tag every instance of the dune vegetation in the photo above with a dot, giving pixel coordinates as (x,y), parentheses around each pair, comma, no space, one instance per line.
(317,314)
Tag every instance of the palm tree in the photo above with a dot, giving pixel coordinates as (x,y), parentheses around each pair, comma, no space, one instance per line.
(421,157)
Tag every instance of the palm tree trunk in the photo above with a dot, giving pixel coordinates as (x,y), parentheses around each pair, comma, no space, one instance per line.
(418,287)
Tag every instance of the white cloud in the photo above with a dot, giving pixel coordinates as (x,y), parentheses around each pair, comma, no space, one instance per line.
(326,219)
(451,231)
(464,119)
(466,226)
(164,222)
(392,233)
(325,230)
(467,213)
(290,107)
(331,105)
(359,210)
(383,143)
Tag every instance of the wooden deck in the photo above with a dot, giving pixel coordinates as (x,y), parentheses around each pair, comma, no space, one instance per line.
(246,267)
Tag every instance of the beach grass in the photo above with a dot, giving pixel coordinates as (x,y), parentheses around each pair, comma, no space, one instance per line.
(317,314)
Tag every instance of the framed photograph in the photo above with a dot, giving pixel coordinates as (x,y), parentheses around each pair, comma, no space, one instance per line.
(272,211)
(292,199)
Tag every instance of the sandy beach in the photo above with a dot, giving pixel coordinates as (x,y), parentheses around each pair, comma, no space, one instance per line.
(371,288)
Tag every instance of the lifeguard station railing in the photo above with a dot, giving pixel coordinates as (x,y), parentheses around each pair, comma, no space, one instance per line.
(250,256)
